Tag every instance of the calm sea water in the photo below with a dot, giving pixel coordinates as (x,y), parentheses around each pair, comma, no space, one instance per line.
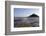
(34,21)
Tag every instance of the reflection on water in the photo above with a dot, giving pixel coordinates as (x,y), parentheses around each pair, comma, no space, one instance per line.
(26,22)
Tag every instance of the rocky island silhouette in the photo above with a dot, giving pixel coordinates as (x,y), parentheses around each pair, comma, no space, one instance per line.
(33,15)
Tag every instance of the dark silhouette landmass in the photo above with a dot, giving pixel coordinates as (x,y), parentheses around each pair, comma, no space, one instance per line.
(33,15)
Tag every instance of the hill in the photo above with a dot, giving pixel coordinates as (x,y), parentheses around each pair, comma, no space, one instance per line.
(33,15)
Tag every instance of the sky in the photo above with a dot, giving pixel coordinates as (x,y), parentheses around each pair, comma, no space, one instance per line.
(25,12)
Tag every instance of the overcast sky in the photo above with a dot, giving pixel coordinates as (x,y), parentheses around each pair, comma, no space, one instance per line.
(25,12)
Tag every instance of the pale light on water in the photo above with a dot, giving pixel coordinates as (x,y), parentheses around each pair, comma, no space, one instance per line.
(34,21)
